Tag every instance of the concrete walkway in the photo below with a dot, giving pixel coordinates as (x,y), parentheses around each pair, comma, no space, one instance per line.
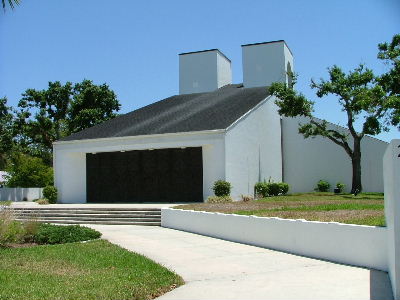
(218,269)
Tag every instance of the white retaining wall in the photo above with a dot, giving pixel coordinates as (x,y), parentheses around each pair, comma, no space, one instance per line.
(391,165)
(358,245)
(18,194)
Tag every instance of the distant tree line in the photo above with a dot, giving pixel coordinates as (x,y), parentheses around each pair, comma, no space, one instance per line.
(45,116)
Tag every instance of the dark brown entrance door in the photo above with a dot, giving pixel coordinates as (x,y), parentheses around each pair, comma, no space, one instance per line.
(162,175)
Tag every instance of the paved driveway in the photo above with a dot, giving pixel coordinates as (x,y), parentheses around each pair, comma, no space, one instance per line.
(218,269)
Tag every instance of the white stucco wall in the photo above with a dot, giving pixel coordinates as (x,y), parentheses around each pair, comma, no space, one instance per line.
(358,245)
(203,72)
(392,212)
(253,149)
(20,194)
(70,158)
(264,64)
(70,175)
(306,161)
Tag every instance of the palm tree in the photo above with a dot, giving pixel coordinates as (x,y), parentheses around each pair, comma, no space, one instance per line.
(11,3)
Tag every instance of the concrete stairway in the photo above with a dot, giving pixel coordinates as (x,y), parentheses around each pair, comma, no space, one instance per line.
(106,216)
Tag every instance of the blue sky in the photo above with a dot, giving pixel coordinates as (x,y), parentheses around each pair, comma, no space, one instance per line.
(133,45)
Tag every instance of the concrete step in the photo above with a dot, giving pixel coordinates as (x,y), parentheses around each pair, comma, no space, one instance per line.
(94,219)
(103,222)
(88,208)
(91,215)
(97,215)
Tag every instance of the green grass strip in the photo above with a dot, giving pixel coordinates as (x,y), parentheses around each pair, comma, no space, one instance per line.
(92,270)
(325,207)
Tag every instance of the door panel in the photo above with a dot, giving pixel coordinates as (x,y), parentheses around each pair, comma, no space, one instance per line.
(162,175)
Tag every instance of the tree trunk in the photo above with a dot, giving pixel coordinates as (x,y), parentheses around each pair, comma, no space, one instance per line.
(356,186)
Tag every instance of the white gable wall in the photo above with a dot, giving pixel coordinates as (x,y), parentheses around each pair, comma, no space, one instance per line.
(306,161)
(253,149)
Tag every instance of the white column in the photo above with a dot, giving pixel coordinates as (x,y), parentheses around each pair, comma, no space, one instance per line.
(391,176)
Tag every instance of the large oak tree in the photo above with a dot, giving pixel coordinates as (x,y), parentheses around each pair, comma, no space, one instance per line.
(360,93)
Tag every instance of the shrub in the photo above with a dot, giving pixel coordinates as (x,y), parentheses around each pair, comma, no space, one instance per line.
(27,171)
(42,201)
(222,188)
(273,189)
(266,189)
(262,189)
(323,186)
(247,198)
(11,231)
(340,186)
(219,199)
(55,234)
(283,188)
(50,193)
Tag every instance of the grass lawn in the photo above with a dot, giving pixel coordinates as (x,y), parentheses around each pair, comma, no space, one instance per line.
(91,270)
(363,209)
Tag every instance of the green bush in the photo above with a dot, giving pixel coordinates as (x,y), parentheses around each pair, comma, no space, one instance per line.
(323,186)
(55,234)
(50,193)
(27,171)
(222,188)
(266,189)
(283,188)
(219,199)
(11,231)
(262,189)
(340,186)
(273,188)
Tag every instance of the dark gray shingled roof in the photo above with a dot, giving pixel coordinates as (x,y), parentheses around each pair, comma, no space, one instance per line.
(180,113)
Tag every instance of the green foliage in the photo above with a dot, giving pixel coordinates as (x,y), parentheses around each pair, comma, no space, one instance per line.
(50,193)
(48,115)
(273,189)
(283,188)
(340,186)
(26,171)
(92,105)
(268,189)
(323,186)
(219,199)
(11,3)
(6,131)
(55,234)
(360,93)
(390,81)
(222,188)
(11,231)
(261,188)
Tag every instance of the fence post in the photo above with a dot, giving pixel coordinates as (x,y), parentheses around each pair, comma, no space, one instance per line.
(391,177)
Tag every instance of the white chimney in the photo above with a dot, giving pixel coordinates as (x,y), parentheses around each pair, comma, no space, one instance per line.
(265,63)
(203,71)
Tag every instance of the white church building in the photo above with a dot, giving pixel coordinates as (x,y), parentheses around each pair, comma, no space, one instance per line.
(175,149)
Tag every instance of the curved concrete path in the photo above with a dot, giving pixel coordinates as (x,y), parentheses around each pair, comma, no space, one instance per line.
(218,269)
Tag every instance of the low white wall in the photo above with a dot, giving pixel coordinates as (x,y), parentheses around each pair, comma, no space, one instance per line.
(358,245)
(391,174)
(18,194)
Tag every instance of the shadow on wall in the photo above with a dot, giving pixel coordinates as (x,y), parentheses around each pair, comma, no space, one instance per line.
(380,287)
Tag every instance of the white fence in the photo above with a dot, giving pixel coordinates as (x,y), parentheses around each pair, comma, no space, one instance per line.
(20,194)
(366,246)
